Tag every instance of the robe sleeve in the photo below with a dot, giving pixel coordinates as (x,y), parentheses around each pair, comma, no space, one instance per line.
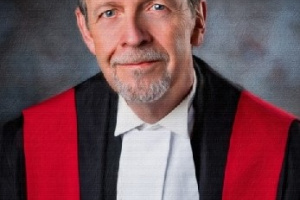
(289,184)
(12,162)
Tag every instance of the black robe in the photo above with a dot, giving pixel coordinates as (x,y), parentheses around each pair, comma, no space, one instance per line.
(215,104)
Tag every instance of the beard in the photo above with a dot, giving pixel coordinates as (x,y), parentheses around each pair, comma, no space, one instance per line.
(141,91)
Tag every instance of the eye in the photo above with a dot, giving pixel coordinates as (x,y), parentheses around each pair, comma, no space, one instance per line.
(108,13)
(158,7)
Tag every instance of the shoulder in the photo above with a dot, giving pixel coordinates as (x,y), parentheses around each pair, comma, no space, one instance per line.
(262,110)
(216,89)
(212,78)
(68,105)
(87,88)
(225,90)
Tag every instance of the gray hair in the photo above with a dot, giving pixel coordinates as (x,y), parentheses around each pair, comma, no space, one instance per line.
(82,6)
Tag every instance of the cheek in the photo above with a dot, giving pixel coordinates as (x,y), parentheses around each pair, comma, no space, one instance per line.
(180,45)
(180,50)
(103,49)
(105,42)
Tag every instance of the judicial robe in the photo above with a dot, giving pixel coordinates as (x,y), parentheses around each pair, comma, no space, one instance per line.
(65,148)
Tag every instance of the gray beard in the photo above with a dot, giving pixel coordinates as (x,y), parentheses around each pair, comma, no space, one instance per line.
(142,92)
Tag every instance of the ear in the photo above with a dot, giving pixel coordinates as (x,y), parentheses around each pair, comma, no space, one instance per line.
(199,29)
(84,30)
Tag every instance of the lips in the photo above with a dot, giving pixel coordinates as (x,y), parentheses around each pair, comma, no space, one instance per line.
(137,64)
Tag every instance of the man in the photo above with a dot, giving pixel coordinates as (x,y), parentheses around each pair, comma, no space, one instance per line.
(157,123)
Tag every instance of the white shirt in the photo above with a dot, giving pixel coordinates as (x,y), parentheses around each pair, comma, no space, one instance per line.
(156,160)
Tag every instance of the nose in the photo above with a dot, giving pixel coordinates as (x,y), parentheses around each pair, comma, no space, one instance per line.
(135,32)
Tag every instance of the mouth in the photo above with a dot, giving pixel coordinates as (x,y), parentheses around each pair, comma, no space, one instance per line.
(141,64)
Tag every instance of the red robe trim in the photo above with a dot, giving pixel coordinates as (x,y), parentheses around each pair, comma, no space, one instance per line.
(256,151)
(51,155)
(253,163)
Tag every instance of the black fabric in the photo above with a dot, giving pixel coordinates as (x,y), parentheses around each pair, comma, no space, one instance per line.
(289,185)
(12,162)
(99,150)
(215,111)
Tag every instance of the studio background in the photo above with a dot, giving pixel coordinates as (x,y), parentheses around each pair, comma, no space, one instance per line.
(253,43)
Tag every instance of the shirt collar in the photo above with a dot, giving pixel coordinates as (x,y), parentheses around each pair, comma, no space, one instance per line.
(126,118)
(177,120)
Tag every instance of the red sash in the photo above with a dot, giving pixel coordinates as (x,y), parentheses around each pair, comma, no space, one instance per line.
(256,151)
(253,165)
(50,143)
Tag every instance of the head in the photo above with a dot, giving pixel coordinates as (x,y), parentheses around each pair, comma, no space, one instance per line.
(144,48)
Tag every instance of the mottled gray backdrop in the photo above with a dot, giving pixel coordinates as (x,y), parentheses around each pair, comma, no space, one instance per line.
(254,43)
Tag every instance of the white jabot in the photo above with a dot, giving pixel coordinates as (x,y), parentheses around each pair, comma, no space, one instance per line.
(156,160)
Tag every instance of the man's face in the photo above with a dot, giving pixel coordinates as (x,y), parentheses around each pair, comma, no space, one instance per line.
(144,47)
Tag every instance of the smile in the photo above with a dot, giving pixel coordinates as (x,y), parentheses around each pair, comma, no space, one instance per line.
(142,64)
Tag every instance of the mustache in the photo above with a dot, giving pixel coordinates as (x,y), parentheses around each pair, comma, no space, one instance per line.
(137,55)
